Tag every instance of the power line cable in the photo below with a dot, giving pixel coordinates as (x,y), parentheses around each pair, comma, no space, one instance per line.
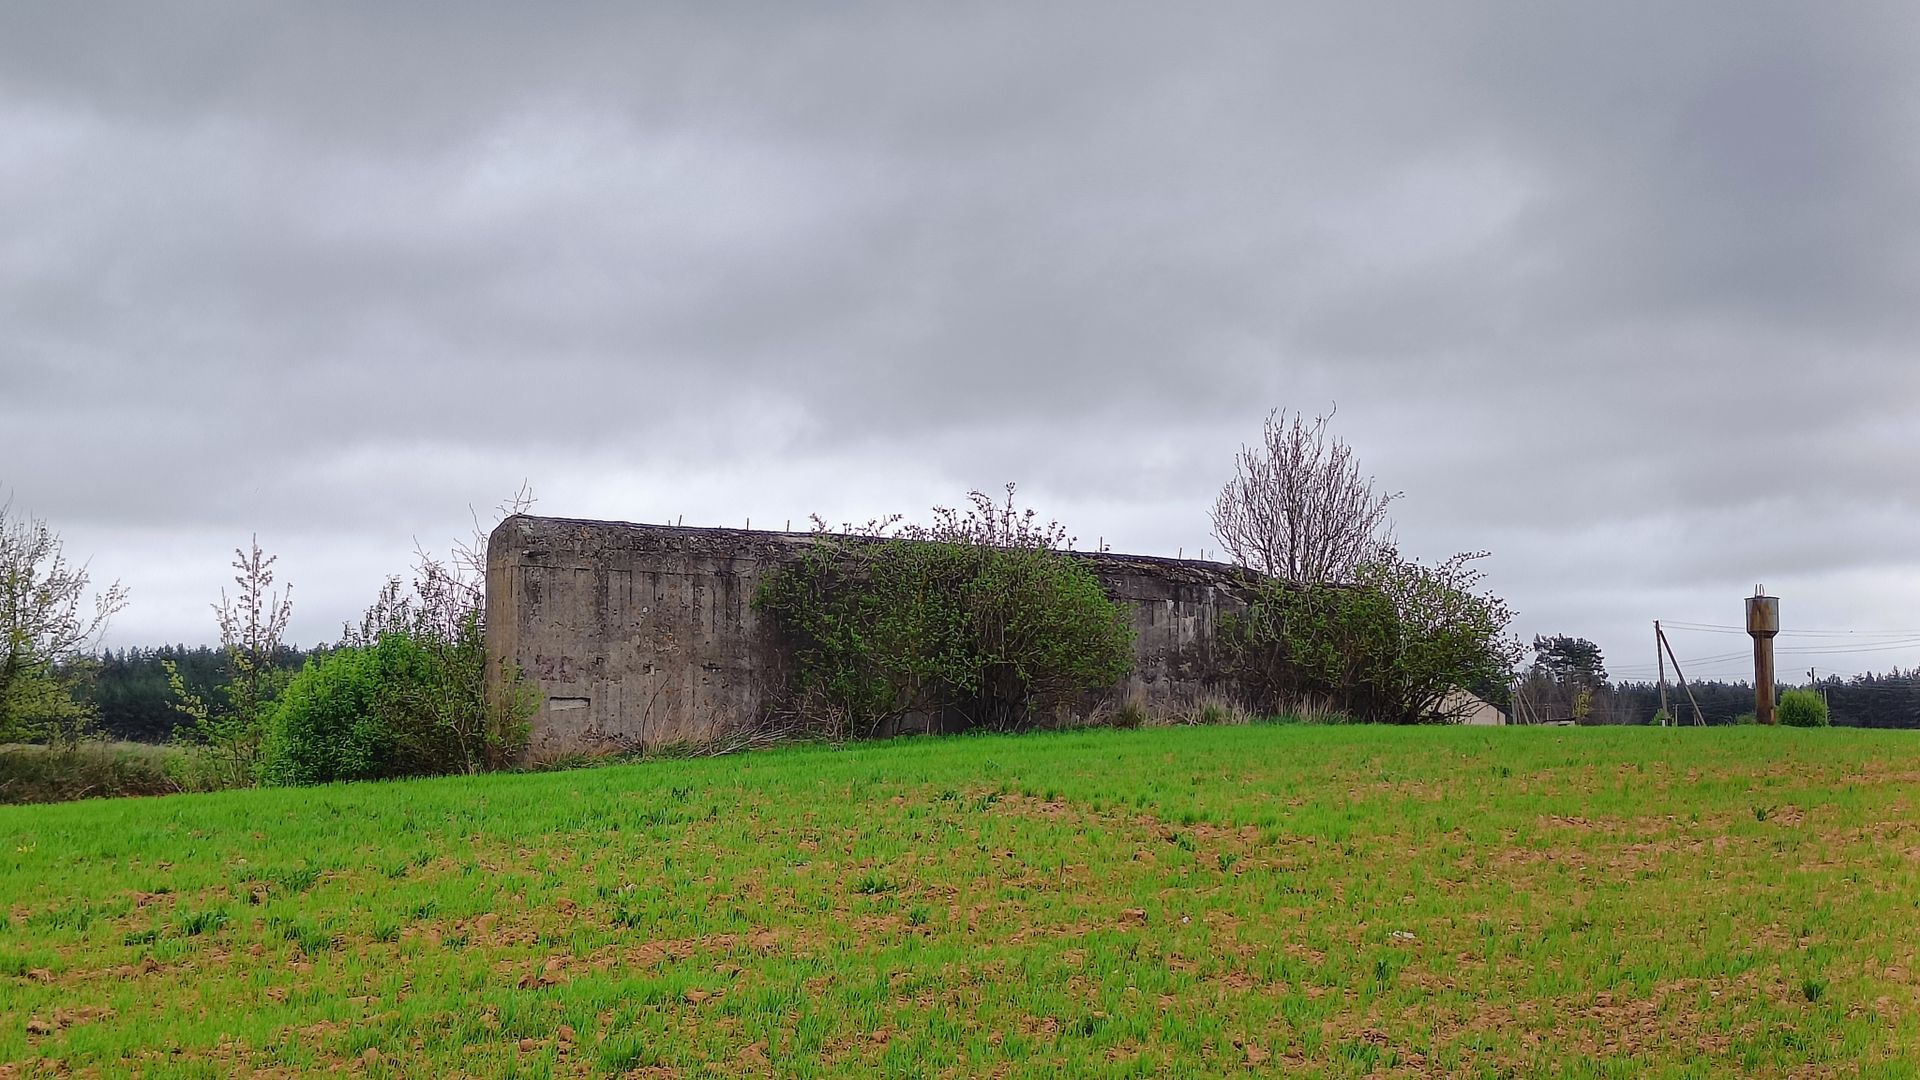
(1722,628)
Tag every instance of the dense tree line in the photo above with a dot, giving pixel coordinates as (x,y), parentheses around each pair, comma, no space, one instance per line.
(132,700)
(1568,681)
(1891,700)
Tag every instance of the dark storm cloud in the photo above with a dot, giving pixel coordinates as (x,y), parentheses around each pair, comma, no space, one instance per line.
(1557,267)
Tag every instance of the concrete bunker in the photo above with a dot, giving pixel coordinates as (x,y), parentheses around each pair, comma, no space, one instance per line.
(640,636)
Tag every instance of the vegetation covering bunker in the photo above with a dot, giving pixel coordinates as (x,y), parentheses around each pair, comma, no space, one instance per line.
(647,635)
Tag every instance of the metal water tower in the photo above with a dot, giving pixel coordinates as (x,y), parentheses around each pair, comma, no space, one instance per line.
(1763,622)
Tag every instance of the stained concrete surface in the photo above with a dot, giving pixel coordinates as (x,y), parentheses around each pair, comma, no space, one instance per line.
(646,635)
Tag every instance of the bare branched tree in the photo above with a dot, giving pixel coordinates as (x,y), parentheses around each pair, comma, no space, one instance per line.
(233,724)
(467,568)
(1298,507)
(47,626)
(251,628)
(989,523)
(445,615)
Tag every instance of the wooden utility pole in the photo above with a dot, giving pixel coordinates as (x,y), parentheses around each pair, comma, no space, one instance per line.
(1763,622)
(1698,719)
(1661,659)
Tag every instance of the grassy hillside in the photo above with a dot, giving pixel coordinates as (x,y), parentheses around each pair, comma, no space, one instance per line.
(1336,900)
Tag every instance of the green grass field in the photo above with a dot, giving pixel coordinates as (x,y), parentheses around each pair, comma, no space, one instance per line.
(1196,901)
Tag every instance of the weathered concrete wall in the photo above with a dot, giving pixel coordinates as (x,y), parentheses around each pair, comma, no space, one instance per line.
(643,635)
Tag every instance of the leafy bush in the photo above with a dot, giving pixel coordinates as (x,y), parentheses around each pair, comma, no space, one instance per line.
(400,706)
(407,692)
(1386,648)
(479,716)
(1803,708)
(982,614)
(331,722)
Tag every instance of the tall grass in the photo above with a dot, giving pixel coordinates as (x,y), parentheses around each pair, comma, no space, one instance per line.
(94,769)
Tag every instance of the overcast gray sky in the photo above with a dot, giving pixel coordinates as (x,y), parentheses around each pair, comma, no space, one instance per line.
(1625,293)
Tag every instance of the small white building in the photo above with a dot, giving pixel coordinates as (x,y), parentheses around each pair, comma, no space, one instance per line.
(1466,708)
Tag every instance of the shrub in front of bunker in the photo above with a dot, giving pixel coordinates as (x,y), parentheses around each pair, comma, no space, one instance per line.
(982,616)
